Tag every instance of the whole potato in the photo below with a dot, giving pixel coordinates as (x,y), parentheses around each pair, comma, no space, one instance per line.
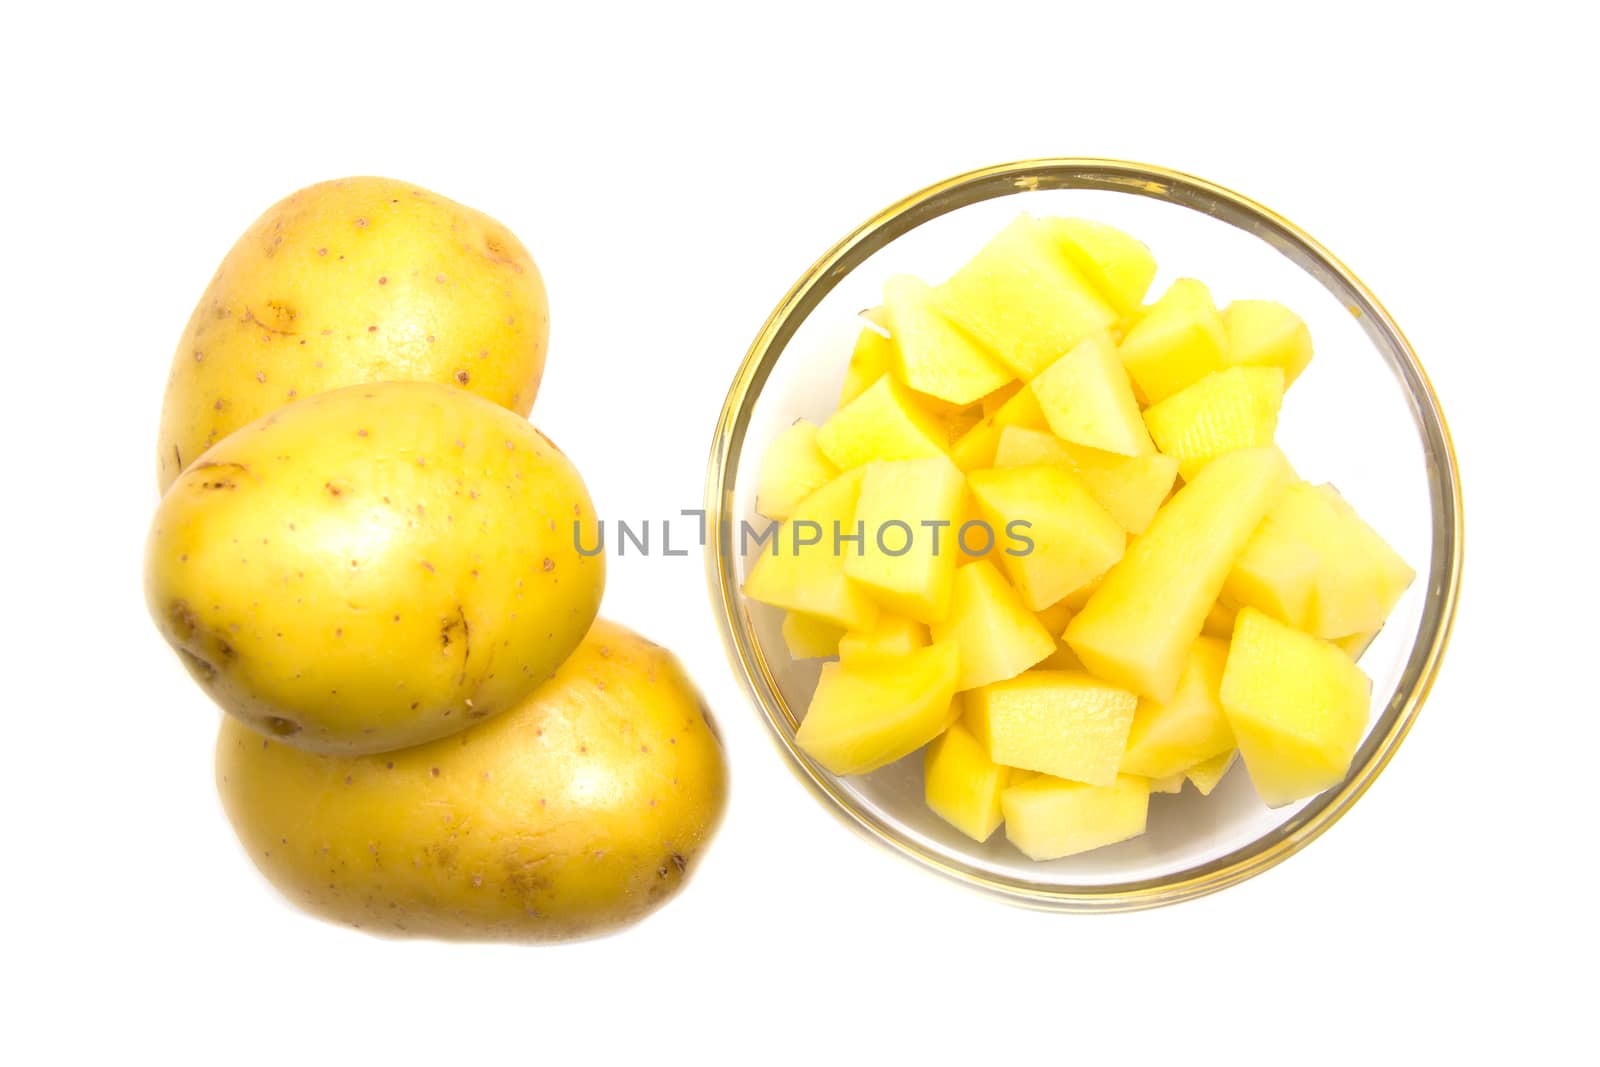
(375,567)
(579,810)
(351,281)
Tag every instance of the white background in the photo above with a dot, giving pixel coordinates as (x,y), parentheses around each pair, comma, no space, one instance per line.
(673,170)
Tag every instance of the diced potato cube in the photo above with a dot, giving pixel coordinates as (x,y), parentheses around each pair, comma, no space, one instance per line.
(1170,784)
(1167,739)
(998,637)
(1137,628)
(935,357)
(1276,573)
(1070,538)
(798,569)
(1264,333)
(792,469)
(873,357)
(906,518)
(883,423)
(1341,607)
(1060,723)
(1023,301)
(1120,267)
(1177,341)
(894,635)
(1205,776)
(1316,565)
(1130,488)
(962,784)
(1047,818)
(1297,705)
(1087,399)
(810,638)
(867,714)
(1234,408)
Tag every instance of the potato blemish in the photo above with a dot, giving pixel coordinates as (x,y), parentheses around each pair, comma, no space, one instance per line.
(222,476)
(181,620)
(200,668)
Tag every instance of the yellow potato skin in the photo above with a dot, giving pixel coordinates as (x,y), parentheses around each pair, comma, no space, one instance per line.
(352,281)
(375,567)
(578,811)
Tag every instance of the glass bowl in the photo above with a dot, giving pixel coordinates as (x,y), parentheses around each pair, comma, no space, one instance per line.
(1363,416)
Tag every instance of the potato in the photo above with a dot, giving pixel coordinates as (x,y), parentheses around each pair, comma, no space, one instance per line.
(1297,705)
(1168,738)
(1047,818)
(884,422)
(581,809)
(792,469)
(359,280)
(932,355)
(868,713)
(905,513)
(1073,539)
(1233,408)
(1178,340)
(1264,333)
(1137,628)
(810,577)
(376,566)
(998,637)
(1120,267)
(1087,399)
(1023,300)
(1318,566)
(961,784)
(1062,723)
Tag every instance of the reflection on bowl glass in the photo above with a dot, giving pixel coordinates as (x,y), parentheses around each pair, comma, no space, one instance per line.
(1365,418)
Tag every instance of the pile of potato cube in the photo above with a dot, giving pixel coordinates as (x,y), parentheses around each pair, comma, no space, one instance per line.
(1047,535)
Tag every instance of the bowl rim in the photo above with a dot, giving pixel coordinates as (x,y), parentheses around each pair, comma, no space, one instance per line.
(1443,578)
